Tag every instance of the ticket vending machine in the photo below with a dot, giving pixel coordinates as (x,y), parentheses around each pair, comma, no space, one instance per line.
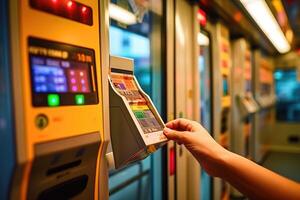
(55,72)
(135,125)
(243,103)
(264,93)
(265,82)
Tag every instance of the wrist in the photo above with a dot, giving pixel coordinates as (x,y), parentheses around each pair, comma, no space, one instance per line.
(224,161)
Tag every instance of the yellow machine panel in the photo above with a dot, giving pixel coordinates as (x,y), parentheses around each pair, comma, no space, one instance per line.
(62,120)
(56,69)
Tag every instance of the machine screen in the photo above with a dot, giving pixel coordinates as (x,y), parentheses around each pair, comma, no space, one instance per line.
(126,86)
(61,74)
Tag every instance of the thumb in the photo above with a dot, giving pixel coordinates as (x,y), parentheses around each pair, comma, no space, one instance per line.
(177,136)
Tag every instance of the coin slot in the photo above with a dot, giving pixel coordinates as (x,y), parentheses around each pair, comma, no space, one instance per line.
(63,167)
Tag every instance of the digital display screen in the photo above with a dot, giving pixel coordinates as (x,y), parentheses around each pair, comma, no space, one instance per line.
(61,74)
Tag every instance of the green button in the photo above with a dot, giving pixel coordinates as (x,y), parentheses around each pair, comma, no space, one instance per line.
(53,100)
(79,99)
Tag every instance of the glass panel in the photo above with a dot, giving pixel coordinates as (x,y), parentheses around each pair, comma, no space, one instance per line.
(138,189)
(131,45)
(204,64)
(136,32)
(287,87)
(7,139)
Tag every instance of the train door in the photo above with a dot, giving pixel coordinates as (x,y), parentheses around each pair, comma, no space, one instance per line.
(205,70)
(136,31)
(187,177)
(221,97)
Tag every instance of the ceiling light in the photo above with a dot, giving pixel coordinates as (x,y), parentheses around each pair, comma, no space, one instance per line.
(262,15)
(203,40)
(121,15)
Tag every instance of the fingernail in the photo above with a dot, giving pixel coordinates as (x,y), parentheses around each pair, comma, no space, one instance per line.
(166,130)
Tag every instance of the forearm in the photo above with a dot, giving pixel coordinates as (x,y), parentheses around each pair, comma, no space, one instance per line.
(255,181)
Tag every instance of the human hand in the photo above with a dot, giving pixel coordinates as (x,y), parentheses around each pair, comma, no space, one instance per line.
(199,142)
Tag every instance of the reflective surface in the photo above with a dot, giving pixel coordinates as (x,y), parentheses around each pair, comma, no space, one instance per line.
(7,151)
(140,39)
(204,64)
(287,86)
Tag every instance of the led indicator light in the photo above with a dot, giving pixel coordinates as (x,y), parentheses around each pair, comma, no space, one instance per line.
(70,3)
(79,99)
(70,9)
(74,88)
(83,9)
(53,100)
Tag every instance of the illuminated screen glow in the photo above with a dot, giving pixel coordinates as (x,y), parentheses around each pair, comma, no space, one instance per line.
(59,76)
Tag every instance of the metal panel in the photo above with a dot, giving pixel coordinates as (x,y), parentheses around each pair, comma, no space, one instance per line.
(170,50)
(221,103)
(104,62)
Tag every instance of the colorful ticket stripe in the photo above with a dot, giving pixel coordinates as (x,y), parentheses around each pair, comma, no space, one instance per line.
(146,118)
(126,86)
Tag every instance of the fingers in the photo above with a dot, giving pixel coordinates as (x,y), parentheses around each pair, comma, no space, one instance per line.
(177,136)
(180,124)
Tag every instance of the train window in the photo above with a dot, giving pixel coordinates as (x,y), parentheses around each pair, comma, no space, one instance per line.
(287,87)
(136,31)
(205,68)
